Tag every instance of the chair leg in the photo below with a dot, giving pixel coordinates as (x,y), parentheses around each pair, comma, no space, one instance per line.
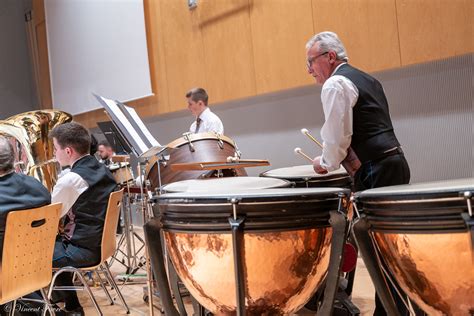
(102,285)
(88,289)
(85,286)
(13,307)
(47,304)
(114,285)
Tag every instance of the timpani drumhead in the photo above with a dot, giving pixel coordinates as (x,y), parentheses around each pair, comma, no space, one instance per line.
(427,189)
(305,176)
(213,184)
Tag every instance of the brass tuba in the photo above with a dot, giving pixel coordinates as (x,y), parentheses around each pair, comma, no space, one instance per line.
(34,154)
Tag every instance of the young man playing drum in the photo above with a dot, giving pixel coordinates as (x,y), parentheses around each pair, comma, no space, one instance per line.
(206,121)
(356,118)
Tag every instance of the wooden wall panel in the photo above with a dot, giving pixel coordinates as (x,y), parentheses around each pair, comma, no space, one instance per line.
(44,76)
(280,30)
(227,49)
(368,29)
(182,49)
(45,96)
(435,29)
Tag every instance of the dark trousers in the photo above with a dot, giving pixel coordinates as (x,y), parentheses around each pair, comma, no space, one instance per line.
(68,255)
(390,170)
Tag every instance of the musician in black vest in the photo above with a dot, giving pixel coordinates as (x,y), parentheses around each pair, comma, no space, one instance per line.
(84,191)
(17,191)
(356,116)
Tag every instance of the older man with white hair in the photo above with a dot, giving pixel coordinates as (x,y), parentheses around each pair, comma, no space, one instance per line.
(357,119)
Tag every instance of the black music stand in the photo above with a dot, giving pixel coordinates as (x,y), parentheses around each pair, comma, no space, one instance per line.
(140,142)
(128,124)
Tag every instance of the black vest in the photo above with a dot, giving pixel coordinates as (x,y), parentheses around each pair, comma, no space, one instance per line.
(89,210)
(19,192)
(372,127)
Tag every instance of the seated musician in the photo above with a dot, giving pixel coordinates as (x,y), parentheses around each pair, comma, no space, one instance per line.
(206,121)
(84,191)
(17,191)
(105,152)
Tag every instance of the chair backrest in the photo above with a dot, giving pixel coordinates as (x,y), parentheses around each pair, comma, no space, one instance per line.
(28,247)
(109,242)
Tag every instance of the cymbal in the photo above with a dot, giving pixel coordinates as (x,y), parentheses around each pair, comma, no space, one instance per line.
(216,165)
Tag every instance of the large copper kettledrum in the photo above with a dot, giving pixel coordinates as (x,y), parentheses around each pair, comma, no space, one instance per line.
(424,236)
(258,252)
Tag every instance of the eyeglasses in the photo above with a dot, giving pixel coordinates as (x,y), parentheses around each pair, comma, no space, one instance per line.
(310,61)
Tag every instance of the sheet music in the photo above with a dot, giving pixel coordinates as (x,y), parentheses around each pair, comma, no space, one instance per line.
(142,126)
(130,125)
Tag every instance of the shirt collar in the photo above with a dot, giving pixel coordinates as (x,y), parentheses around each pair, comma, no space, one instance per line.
(205,114)
(338,66)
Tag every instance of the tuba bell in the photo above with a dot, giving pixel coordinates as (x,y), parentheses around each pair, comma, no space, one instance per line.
(34,154)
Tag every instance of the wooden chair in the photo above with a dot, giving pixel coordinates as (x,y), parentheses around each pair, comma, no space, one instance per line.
(108,247)
(28,246)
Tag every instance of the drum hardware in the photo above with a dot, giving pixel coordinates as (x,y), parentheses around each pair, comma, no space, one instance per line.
(367,248)
(351,163)
(145,206)
(300,152)
(220,143)
(237,245)
(468,196)
(188,139)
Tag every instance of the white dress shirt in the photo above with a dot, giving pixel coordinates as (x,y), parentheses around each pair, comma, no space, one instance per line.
(209,123)
(68,188)
(338,95)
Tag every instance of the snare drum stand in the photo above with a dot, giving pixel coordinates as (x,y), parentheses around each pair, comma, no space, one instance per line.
(129,237)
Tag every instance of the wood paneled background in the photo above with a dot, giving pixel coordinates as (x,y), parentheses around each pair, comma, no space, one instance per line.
(241,48)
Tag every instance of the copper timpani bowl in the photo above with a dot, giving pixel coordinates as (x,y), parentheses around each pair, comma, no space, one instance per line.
(423,235)
(285,252)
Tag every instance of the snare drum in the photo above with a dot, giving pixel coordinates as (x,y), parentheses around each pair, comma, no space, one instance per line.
(278,244)
(425,236)
(121,172)
(203,147)
(216,184)
(304,176)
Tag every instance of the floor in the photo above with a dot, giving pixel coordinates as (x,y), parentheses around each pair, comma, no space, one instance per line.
(362,296)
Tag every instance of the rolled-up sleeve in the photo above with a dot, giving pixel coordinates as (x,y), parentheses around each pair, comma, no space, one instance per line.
(67,189)
(338,96)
